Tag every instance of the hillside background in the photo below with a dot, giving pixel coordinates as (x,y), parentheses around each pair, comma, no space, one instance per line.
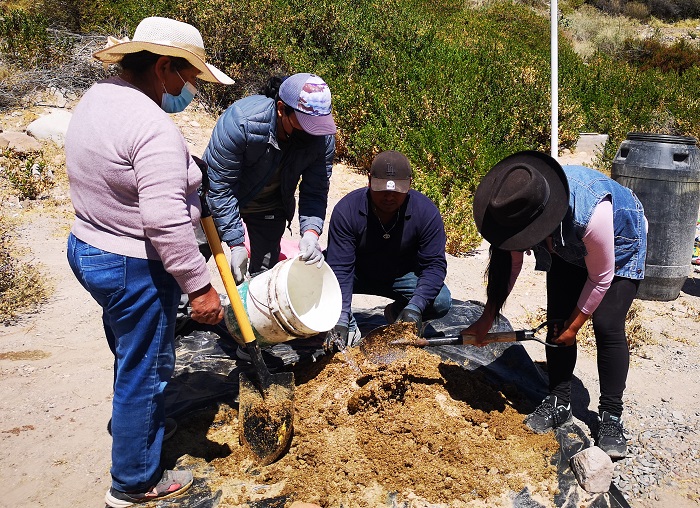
(455,85)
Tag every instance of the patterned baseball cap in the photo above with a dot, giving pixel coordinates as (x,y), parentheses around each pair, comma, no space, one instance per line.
(310,98)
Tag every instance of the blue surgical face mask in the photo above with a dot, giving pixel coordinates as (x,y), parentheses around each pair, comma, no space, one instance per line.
(176,103)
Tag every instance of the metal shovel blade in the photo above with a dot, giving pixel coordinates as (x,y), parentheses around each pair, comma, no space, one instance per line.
(266,419)
(379,346)
(387,343)
(266,409)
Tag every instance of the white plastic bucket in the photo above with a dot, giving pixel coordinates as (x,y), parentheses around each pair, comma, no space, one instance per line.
(291,300)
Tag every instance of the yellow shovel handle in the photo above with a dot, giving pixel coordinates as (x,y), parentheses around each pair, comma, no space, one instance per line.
(227,278)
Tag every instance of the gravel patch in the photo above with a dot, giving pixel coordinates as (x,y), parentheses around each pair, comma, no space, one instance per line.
(663,452)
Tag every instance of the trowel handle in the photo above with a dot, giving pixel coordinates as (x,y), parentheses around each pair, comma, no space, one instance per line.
(227,278)
(466,339)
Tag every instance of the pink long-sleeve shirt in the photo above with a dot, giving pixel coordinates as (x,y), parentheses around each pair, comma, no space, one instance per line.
(599,240)
(133,183)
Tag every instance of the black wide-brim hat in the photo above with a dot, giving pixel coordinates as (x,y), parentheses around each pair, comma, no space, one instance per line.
(521,200)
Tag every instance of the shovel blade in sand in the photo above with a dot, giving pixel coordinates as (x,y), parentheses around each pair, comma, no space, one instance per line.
(266,418)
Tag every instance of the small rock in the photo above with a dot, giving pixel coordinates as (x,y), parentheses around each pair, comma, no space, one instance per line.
(19,142)
(593,469)
(52,126)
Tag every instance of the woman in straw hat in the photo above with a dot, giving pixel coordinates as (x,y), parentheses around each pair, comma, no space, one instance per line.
(134,187)
(589,233)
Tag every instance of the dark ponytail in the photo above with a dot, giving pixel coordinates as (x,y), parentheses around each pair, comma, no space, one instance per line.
(271,89)
(498,277)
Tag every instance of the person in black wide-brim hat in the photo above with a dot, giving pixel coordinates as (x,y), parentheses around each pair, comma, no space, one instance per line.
(589,233)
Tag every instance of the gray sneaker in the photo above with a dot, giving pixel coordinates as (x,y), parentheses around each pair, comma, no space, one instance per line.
(171,484)
(548,415)
(611,436)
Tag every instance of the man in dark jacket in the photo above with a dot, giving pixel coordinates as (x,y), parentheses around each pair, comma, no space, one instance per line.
(260,148)
(388,240)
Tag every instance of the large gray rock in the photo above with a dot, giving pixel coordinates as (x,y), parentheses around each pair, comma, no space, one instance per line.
(19,142)
(593,469)
(52,126)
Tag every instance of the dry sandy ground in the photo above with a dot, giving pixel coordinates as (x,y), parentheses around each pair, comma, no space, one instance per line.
(56,369)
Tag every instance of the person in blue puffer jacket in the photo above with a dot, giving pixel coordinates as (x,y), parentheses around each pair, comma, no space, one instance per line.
(261,147)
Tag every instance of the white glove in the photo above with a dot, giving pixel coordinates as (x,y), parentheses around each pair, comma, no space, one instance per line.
(309,249)
(239,263)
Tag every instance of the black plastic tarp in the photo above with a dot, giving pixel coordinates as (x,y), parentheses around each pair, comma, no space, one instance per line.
(207,372)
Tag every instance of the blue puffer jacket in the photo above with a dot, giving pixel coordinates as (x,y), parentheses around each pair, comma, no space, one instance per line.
(242,156)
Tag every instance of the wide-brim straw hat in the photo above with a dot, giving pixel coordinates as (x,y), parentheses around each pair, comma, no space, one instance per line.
(168,37)
(521,200)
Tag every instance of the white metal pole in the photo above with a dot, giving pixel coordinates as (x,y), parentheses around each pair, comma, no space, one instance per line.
(554,25)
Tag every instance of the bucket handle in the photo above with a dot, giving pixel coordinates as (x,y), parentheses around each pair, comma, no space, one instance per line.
(282,324)
(274,312)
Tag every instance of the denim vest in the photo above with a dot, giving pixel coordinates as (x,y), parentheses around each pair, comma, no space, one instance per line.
(587,188)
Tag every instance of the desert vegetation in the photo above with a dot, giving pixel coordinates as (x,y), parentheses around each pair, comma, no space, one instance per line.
(454,85)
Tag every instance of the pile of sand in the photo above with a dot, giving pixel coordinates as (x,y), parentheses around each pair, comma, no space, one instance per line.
(419,430)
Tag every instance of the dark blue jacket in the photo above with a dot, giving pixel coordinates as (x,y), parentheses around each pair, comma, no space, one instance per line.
(242,156)
(417,244)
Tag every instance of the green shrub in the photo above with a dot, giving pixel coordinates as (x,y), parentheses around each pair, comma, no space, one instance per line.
(28,176)
(674,9)
(115,17)
(26,40)
(455,88)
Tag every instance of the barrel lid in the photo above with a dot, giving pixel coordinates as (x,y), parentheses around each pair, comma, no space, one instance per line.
(661,138)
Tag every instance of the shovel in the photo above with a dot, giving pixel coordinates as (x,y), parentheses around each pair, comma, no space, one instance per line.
(265,409)
(389,342)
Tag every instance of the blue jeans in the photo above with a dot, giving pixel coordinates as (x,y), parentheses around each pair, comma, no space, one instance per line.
(139,301)
(401,290)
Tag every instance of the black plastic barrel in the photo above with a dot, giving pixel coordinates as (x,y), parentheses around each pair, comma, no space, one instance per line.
(664,172)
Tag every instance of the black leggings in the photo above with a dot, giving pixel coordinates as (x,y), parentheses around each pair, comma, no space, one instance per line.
(564,284)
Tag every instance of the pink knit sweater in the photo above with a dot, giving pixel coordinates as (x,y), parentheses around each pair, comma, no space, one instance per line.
(132,181)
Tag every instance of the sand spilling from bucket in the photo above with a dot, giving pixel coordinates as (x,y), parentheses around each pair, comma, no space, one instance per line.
(425,429)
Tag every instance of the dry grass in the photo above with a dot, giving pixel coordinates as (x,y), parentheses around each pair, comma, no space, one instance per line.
(692,312)
(74,75)
(26,179)
(590,31)
(638,336)
(22,286)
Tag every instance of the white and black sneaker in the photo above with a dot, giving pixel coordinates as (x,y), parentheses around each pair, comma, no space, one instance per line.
(548,415)
(611,436)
